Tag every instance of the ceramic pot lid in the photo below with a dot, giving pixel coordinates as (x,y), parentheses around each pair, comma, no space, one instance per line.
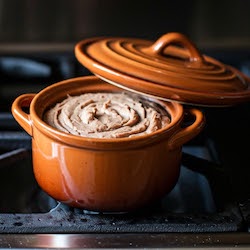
(171,68)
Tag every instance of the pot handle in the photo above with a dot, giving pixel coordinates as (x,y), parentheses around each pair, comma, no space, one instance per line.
(23,101)
(189,132)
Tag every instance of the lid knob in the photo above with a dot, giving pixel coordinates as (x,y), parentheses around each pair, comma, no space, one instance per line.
(196,60)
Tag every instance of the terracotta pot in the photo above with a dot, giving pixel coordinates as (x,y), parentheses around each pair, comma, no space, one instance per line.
(120,174)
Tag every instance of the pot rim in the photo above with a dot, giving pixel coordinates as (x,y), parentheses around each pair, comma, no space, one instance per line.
(174,109)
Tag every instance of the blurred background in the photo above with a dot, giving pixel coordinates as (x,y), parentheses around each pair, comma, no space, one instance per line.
(37,37)
(209,23)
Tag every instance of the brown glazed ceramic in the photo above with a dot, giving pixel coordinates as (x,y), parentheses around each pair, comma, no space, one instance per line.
(171,68)
(114,175)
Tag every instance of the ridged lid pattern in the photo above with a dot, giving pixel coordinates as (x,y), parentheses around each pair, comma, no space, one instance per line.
(171,68)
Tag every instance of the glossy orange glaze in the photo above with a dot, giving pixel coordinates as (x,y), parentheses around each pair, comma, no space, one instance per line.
(120,174)
(171,68)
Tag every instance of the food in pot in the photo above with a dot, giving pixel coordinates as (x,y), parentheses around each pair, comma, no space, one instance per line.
(92,174)
(107,115)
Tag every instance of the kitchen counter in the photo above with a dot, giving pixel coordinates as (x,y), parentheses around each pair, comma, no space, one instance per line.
(131,241)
